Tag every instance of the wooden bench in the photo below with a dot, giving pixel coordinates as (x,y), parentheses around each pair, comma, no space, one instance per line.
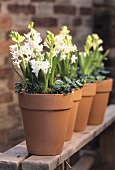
(17,158)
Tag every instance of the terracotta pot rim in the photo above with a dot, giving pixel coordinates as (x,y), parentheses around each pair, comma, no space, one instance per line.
(104,80)
(45,102)
(90,83)
(104,86)
(45,94)
(86,91)
(77,95)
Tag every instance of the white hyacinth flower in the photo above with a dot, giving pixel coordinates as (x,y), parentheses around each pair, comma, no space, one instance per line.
(73,59)
(14,51)
(62,45)
(63,56)
(74,48)
(37,65)
(33,39)
(44,66)
(55,52)
(17,63)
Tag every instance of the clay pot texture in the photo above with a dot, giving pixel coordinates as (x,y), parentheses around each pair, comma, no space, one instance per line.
(88,92)
(45,119)
(77,95)
(100,102)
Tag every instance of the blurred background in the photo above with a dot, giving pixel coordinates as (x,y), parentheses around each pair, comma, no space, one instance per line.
(82,17)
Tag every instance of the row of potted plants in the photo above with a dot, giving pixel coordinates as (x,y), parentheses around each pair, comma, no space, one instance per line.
(62,89)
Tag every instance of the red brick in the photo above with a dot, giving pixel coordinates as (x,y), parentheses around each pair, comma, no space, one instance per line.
(25,9)
(72,32)
(112,42)
(45,22)
(77,22)
(42,0)
(11,84)
(101,11)
(85,11)
(4,46)
(112,53)
(55,30)
(98,5)
(16,135)
(6,97)
(6,73)
(13,109)
(2,137)
(5,22)
(59,9)
(5,0)
(7,61)
(112,32)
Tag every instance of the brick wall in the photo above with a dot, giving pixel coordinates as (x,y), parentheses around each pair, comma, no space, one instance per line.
(47,14)
(104,25)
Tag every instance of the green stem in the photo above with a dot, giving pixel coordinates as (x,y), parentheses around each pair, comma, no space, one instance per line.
(45,86)
(51,78)
(67,64)
(51,56)
(46,82)
(24,64)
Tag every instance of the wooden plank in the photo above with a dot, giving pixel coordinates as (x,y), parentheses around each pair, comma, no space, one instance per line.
(12,159)
(17,158)
(77,142)
(85,163)
(61,167)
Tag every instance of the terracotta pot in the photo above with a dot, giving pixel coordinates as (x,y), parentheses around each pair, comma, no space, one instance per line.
(45,119)
(100,102)
(88,92)
(77,95)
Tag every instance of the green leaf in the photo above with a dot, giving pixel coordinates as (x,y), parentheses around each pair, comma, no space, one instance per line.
(23,70)
(58,82)
(56,60)
(41,76)
(105,54)
(88,64)
(43,81)
(29,72)
(68,80)
(100,78)
(81,61)
(79,84)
